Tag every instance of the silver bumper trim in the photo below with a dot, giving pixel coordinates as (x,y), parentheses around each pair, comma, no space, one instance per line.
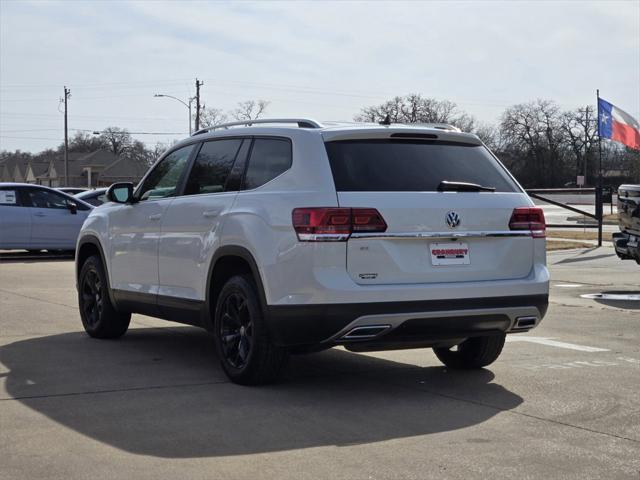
(397,319)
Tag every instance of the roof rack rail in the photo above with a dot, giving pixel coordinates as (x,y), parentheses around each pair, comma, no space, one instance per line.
(301,122)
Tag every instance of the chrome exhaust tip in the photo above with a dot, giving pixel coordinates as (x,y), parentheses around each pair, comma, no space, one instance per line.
(364,332)
(525,323)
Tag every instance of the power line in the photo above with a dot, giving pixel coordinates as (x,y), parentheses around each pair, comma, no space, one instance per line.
(140,84)
(131,133)
(21,114)
(78,97)
(31,130)
(91,130)
(31,138)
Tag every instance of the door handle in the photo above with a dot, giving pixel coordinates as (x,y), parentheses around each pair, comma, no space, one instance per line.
(39,214)
(211,213)
(155,216)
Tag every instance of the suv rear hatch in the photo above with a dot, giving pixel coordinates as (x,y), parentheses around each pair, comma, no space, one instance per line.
(438,228)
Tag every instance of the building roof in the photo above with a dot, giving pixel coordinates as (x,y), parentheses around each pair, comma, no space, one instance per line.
(38,168)
(97,158)
(123,168)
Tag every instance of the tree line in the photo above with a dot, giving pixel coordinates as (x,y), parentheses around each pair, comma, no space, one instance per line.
(113,139)
(541,144)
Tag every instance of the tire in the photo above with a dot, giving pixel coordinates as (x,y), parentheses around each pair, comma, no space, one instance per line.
(475,352)
(99,317)
(34,252)
(246,352)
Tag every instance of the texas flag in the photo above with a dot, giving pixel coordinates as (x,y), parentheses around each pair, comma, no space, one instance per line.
(618,125)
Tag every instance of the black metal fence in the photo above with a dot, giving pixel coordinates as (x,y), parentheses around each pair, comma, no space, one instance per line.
(602,195)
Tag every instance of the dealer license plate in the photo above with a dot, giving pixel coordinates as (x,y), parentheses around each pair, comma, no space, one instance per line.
(450,253)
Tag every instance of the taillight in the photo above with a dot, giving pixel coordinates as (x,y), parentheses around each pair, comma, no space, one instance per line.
(327,224)
(529,218)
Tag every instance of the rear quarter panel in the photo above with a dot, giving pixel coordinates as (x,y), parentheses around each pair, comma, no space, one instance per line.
(260,221)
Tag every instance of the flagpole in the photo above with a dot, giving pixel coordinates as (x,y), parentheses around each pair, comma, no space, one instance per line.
(599,185)
(599,140)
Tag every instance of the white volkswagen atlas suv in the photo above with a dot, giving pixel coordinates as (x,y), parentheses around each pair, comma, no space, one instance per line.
(290,236)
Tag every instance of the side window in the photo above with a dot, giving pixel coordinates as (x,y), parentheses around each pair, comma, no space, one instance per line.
(46,199)
(164,179)
(212,167)
(95,201)
(9,197)
(269,158)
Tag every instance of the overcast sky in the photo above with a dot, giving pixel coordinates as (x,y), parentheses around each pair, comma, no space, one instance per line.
(324,60)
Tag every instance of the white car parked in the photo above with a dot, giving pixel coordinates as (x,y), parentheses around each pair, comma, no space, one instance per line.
(33,217)
(283,236)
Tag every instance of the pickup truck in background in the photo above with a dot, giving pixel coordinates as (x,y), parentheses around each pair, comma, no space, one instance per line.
(626,240)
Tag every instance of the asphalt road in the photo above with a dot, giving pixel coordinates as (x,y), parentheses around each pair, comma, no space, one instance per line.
(563,401)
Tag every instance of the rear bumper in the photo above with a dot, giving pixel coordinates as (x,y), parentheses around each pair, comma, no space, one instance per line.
(391,325)
(627,246)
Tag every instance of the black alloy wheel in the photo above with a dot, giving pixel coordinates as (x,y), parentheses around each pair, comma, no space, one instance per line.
(247,354)
(100,318)
(236,330)
(92,294)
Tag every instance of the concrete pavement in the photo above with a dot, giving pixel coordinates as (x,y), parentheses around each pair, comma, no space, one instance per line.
(155,404)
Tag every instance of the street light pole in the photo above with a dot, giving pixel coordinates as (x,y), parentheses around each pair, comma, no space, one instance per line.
(188,105)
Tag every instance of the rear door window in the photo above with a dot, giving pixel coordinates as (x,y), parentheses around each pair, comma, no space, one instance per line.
(413,166)
(270,157)
(40,198)
(212,167)
(9,197)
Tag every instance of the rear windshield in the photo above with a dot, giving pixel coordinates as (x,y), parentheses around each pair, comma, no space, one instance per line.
(412,166)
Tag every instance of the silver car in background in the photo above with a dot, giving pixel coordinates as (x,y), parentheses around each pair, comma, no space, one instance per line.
(33,217)
(95,197)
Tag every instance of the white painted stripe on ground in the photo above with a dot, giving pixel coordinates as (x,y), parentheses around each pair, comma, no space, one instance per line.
(554,343)
(569,285)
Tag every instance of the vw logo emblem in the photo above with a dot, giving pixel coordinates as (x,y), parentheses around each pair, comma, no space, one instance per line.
(452,219)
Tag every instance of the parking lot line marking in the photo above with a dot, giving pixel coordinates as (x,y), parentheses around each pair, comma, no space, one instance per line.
(554,343)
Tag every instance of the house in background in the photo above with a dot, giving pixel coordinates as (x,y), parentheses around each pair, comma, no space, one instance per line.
(19,172)
(6,170)
(122,170)
(86,169)
(35,170)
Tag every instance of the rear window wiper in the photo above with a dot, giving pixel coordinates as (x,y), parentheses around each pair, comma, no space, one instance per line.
(447,186)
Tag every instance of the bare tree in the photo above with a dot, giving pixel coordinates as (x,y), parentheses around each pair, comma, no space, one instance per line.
(532,134)
(117,139)
(580,128)
(377,113)
(414,108)
(138,152)
(211,116)
(490,135)
(250,109)
(86,142)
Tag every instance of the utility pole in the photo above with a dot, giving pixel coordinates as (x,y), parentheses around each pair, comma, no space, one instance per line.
(198,85)
(67,95)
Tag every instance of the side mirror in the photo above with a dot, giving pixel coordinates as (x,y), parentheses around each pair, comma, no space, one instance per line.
(73,208)
(120,192)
